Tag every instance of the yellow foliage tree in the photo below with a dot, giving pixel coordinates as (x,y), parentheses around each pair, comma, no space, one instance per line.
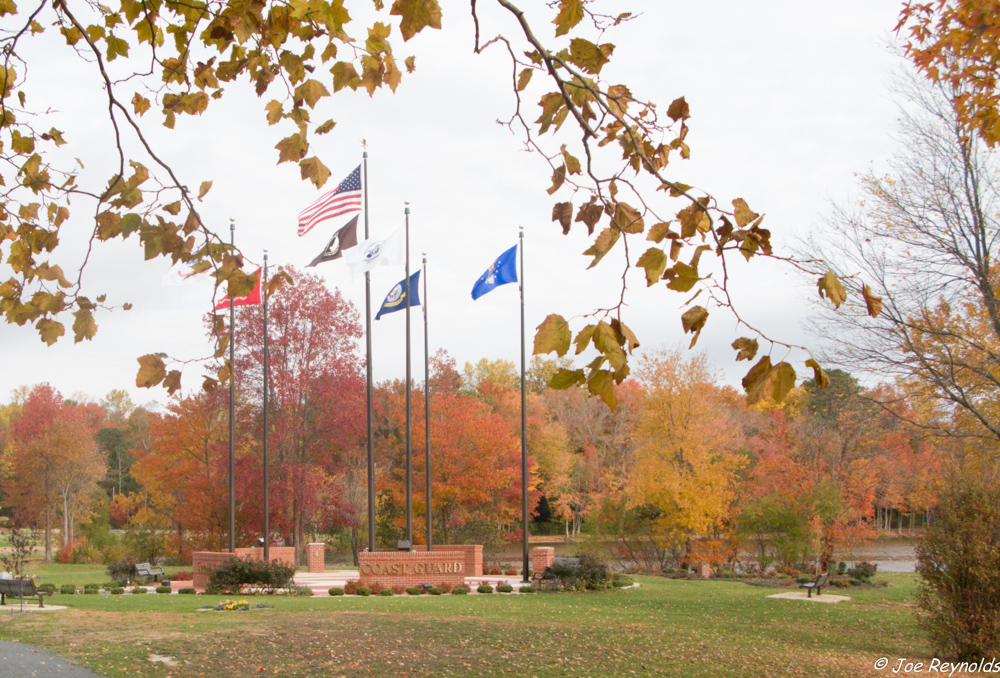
(686,460)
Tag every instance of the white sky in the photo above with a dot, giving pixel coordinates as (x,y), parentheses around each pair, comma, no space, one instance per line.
(789,100)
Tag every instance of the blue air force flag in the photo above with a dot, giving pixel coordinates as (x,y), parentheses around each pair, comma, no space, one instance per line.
(500,272)
(396,298)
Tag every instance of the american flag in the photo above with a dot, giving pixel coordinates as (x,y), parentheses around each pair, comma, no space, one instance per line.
(344,199)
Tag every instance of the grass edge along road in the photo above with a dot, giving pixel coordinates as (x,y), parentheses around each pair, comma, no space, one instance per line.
(664,627)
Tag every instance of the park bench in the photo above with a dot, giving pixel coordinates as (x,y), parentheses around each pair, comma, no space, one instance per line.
(19,588)
(816,584)
(147,570)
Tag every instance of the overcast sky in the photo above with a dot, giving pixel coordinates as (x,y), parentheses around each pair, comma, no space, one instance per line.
(789,101)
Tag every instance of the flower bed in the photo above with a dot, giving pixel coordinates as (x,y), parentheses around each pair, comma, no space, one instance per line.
(236,605)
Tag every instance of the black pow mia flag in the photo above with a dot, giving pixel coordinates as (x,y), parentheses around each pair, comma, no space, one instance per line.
(345,238)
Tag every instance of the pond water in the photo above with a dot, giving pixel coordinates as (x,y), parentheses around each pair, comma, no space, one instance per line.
(891,553)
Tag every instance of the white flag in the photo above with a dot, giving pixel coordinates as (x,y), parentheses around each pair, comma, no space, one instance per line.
(183,274)
(387,251)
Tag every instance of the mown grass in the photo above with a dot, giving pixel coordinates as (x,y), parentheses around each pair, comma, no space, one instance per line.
(664,627)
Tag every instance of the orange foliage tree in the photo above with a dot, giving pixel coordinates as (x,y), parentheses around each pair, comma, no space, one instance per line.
(54,461)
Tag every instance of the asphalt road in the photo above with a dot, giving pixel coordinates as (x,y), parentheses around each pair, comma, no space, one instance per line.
(26,661)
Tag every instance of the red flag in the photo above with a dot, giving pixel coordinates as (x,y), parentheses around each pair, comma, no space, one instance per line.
(252,298)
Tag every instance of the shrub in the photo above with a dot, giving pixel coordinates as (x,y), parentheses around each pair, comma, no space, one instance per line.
(492,569)
(459,591)
(139,590)
(435,591)
(510,571)
(863,571)
(182,576)
(854,581)
(300,591)
(68,589)
(803,579)
(445,587)
(841,568)
(234,574)
(527,588)
(122,570)
(414,590)
(387,592)
(839,583)
(187,592)
(163,589)
(118,590)
(959,566)
(484,588)
(589,572)
(504,588)
(351,587)
(363,591)
(91,591)
(336,591)
(376,588)
(47,588)
(621,581)
(91,586)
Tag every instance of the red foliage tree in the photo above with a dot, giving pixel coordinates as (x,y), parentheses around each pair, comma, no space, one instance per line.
(316,396)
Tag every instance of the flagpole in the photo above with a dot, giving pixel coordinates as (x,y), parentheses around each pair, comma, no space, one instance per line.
(232,407)
(409,404)
(525,575)
(266,508)
(370,409)
(428,514)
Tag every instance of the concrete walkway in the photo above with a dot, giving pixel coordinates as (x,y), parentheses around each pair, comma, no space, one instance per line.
(26,661)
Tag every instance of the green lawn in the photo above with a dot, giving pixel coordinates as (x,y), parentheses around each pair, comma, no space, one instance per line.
(664,627)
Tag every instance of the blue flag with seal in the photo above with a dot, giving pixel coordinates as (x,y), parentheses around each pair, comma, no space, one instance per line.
(500,272)
(396,299)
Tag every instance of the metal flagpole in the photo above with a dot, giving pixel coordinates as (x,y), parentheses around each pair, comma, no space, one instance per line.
(409,404)
(370,404)
(232,408)
(428,514)
(525,575)
(267,383)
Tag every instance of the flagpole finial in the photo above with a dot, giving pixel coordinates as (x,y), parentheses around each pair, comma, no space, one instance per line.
(232,224)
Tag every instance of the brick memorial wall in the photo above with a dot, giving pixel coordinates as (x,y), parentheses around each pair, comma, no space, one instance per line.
(412,568)
(473,556)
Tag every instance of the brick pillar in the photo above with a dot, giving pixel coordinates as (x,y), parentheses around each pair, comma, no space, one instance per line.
(704,571)
(542,557)
(316,556)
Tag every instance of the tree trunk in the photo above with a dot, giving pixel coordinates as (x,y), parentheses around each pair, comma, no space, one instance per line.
(48,534)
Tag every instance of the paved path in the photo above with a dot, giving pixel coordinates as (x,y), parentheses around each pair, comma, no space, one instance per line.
(26,661)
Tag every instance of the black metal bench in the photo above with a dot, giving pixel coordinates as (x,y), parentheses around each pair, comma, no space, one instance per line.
(147,570)
(20,588)
(816,584)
